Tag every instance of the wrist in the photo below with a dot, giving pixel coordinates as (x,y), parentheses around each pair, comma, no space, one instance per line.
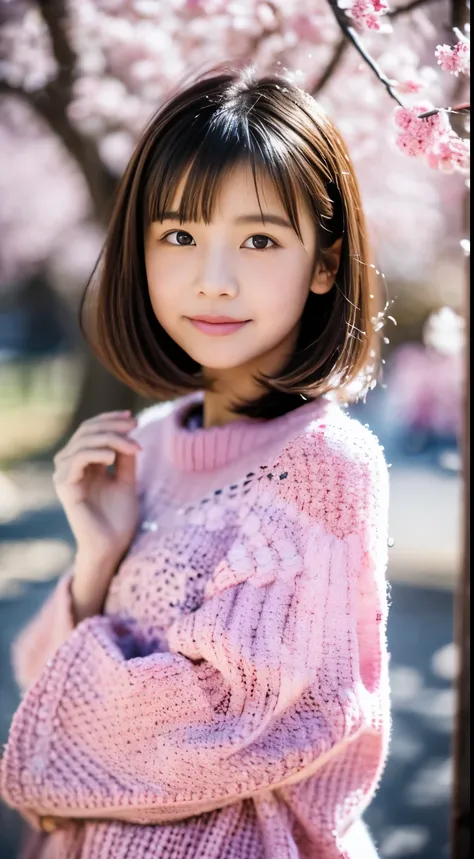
(86,602)
(89,585)
(98,563)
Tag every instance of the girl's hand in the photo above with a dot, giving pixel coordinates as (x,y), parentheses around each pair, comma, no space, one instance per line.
(101,507)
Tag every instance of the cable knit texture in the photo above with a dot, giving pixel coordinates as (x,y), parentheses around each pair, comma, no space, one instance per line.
(232,701)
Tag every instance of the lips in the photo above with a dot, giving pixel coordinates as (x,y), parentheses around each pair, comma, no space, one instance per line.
(217,326)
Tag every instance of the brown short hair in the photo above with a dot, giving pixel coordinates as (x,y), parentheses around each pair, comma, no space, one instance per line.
(202,132)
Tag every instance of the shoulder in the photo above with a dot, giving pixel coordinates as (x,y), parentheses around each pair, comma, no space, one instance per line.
(337,444)
(335,470)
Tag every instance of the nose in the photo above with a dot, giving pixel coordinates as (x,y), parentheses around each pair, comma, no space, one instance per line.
(215,278)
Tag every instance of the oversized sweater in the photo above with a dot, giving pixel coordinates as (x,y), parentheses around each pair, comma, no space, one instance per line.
(232,700)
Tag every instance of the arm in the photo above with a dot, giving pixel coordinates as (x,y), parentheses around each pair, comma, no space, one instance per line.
(247,699)
(55,621)
(69,603)
(43,635)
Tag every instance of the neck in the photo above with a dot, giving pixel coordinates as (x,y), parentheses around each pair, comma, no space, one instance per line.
(239,384)
(217,405)
(209,448)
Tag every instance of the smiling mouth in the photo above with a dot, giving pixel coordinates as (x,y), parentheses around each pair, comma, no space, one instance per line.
(216,326)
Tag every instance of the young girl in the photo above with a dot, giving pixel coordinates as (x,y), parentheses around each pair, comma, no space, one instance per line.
(209,680)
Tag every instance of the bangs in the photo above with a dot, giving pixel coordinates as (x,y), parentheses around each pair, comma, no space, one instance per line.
(196,157)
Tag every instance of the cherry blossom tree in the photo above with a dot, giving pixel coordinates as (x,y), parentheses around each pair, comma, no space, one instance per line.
(425,383)
(93,72)
(80,78)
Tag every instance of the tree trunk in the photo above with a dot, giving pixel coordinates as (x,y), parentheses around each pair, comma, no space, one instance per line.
(461,811)
(461,806)
(101,392)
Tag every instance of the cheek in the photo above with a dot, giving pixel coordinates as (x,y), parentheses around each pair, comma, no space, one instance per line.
(282,288)
(162,285)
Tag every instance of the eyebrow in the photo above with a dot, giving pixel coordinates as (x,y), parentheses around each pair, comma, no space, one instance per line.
(266,218)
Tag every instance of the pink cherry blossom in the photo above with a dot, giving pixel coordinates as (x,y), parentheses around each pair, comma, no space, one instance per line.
(418,135)
(455,60)
(410,86)
(132,53)
(431,137)
(425,380)
(450,154)
(367,13)
(424,390)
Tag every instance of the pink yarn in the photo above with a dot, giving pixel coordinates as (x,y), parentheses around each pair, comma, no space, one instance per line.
(232,702)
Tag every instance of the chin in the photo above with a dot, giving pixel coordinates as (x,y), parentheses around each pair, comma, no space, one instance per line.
(213,363)
(223,358)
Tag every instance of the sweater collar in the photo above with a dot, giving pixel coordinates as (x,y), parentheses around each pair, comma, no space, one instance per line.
(215,447)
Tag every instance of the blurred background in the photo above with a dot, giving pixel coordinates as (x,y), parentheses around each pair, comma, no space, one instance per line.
(78,81)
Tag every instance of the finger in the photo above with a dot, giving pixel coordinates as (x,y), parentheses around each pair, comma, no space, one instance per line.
(126,413)
(108,416)
(125,468)
(118,429)
(123,425)
(72,471)
(105,439)
(88,430)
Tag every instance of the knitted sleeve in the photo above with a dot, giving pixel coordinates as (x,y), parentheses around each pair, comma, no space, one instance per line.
(277,673)
(41,637)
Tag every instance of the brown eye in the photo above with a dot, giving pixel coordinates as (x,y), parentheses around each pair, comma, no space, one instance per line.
(180,237)
(259,243)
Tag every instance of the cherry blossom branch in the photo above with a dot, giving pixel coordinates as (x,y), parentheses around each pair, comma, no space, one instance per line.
(343,44)
(331,67)
(458,110)
(459,13)
(349,33)
(51,104)
(6,88)
(409,7)
(55,16)
(268,30)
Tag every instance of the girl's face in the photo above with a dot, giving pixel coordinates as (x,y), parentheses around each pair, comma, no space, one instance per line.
(231,293)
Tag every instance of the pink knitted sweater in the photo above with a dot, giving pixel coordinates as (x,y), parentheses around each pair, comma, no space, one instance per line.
(232,701)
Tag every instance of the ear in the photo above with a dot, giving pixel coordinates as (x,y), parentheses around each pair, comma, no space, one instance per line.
(327,268)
